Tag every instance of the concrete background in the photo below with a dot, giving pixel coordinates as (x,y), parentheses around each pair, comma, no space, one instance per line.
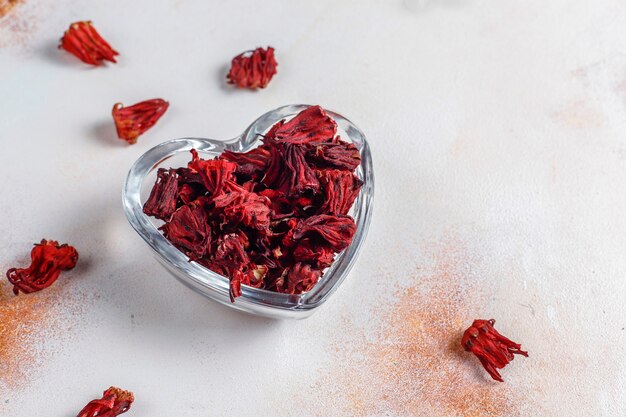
(497,132)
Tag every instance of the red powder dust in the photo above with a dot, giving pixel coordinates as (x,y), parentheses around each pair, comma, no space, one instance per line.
(26,323)
(414,365)
(19,21)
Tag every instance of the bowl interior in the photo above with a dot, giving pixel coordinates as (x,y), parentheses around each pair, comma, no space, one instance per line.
(175,153)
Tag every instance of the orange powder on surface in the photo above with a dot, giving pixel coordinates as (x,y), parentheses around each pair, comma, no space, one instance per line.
(7,5)
(25,321)
(414,365)
(19,20)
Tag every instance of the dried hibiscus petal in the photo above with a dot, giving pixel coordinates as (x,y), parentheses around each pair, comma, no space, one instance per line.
(253,69)
(231,259)
(114,402)
(241,206)
(83,41)
(314,253)
(187,175)
(189,230)
(133,121)
(336,231)
(162,201)
(340,190)
(214,172)
(280,204)
(188,192)
(298,279)
(48,259)
(338,154)
(310,125)
(288,171)
(492,349)
(249,164)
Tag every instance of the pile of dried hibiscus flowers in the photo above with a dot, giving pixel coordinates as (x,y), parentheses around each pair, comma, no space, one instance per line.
(270,218)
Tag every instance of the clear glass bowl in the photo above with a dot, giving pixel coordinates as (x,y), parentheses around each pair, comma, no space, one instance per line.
(175,153)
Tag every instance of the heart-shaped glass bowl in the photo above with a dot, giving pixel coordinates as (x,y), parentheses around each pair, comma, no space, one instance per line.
(175,153)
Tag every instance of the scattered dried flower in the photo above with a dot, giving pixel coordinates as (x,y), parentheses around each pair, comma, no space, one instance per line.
(83,41)
(253,69)
(114,402)
(492,349)
(133,121)
(48,259)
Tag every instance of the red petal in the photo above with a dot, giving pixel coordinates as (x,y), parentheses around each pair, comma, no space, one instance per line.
(114,402)
(83,41)
(214,172)
(340,190)
(492,349)
(253,69)
(338,154)
(133,121)
(310,125)
(336,231)
(162,201)
(288,171)
(48,259)
(188,230)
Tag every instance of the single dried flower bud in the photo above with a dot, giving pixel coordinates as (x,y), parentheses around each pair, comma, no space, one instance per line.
(492,349)
(114,402)
(133,121)
(48,259)
(83,41)
(253,69)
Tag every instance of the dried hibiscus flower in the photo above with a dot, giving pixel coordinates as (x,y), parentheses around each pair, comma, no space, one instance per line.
(83,41)
(48,259)
(162,201)
(133,121)
(492,349)
(340,190)
(188,229)
(273,217)
(310,125)
(253,69)
(114,402)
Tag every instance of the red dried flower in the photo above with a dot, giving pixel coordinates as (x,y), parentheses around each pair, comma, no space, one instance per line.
(133,121)
(335,231)
(48,259)
(288,171)
(162,201)
(271,218)
(188,229)
(242,206)
(338,154)
(114,402)
(298,279)
(83,41)
(214,173)
(492,349)
(310,125)
(340,190)
(251,164)
(253,69)
(314,252)
(231,259)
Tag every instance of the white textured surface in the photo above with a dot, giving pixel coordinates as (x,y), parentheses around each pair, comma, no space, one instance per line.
(496,126)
